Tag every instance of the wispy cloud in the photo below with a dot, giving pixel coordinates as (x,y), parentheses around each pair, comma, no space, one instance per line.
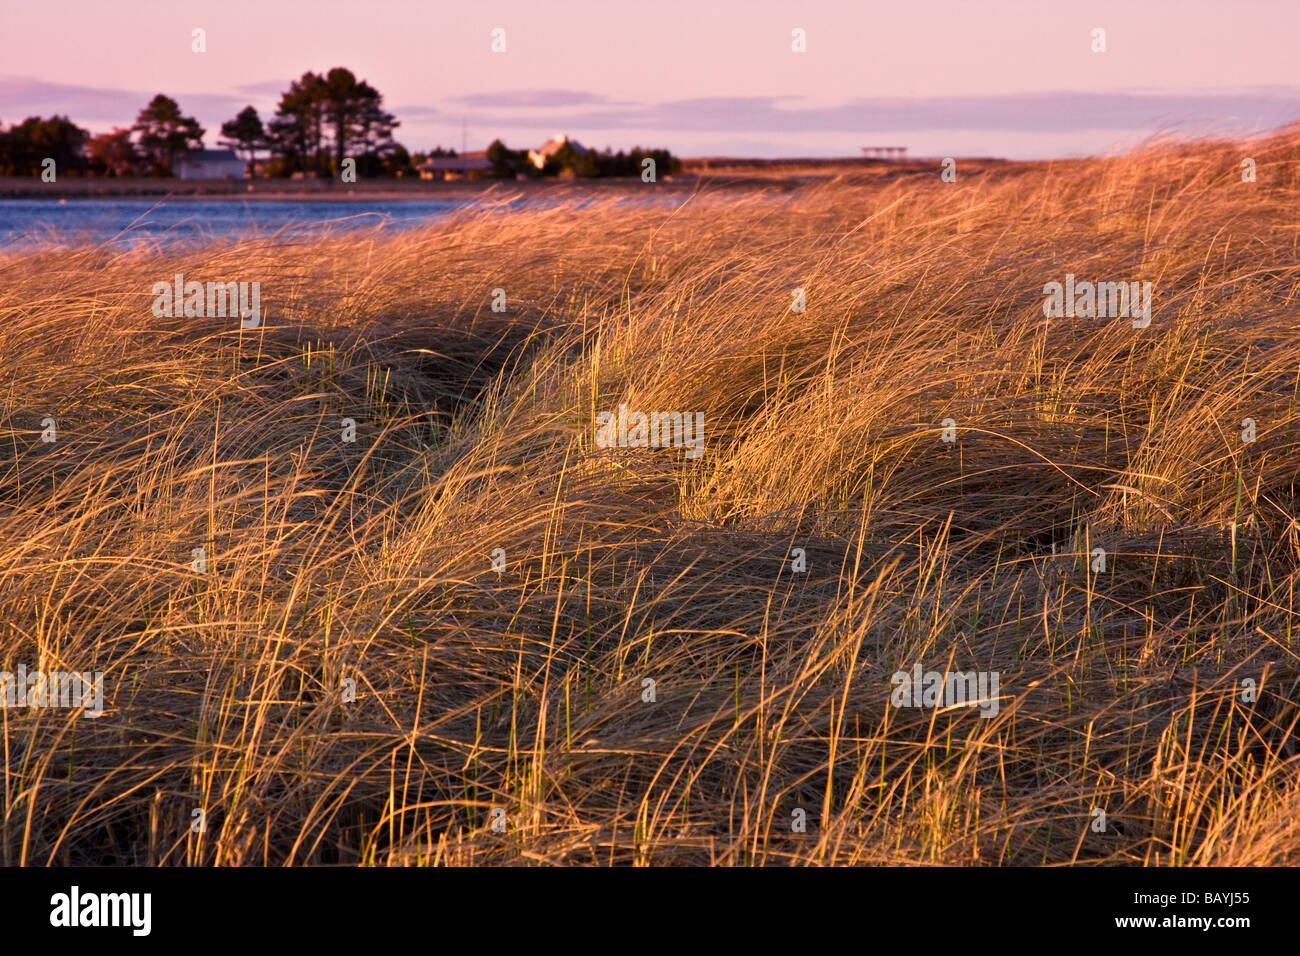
(1045,112)
(415,112)
(22,96)
(534,98)
(272,88)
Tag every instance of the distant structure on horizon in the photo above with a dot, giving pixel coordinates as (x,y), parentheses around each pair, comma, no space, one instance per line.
(541,154)
(885,152)
(466,165)
(210,164)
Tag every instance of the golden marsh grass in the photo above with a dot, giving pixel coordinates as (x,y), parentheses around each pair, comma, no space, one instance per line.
(523,690)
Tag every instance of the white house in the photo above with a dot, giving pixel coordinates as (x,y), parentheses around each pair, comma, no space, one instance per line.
(209,164)
(541,154)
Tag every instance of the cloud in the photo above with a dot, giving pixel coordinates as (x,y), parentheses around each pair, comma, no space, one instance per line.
(264,88)
(414,112)
(24,96)
(1046,112)
(532,98)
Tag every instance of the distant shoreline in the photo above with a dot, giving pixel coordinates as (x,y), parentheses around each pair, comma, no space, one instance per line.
(715,173)
(269,189)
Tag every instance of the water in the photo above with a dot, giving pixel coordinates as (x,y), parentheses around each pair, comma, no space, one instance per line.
(43,223)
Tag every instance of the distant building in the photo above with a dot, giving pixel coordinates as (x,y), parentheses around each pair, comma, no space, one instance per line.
(210,164)
(541,154)
(467,165)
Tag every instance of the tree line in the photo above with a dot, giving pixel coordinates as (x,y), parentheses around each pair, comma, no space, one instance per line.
(321,120)
(511,163)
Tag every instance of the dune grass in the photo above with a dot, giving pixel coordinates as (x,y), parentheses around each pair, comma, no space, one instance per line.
(518,697)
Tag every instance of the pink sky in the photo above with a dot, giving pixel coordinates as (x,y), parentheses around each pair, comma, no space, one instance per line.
(1011,78)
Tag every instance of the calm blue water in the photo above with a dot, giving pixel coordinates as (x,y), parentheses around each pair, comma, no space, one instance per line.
(41,223)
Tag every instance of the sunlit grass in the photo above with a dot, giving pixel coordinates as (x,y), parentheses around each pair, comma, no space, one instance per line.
(523,690)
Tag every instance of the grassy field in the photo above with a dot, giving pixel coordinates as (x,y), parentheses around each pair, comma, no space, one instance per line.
(503,715)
